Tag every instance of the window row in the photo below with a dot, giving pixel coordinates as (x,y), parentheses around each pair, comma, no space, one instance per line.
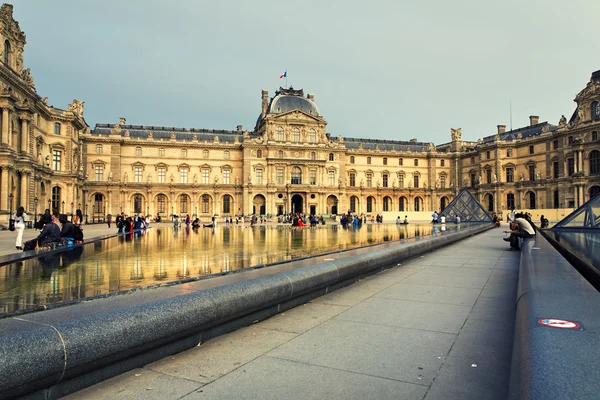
(294,135)
(400,161)
(387,204)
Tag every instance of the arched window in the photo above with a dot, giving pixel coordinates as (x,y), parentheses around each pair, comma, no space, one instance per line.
(384,160)
(353,204)
(387,203)
(280,136)
(205,204)
(595,110)
(351,159)
(312,136)
(594,191)
(161,203)
(296,176)
(295,134)
(418,202)
(510,201)
(258,153)
(370,204)
(400,161)
(442,163)
(204,153)
(595,162)
(280,153)
(183,204)
(226,204)
(6,52)
(331,157)
(56,128)
(402,204)
(137,203)
(56,199)
(531,200)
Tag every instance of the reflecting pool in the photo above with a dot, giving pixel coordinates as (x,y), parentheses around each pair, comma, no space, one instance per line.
(165,254)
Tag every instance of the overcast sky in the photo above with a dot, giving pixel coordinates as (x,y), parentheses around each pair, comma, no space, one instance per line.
(381,69)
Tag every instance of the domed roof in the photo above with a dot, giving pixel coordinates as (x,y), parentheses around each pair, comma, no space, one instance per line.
(283,103)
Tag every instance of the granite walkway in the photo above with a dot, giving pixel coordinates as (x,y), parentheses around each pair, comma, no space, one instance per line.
(435,327)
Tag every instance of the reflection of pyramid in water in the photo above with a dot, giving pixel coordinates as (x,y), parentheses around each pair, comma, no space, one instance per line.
(586,216)
(466,206)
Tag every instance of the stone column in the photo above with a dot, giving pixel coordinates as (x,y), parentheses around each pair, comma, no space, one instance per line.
(4,190)
(5,133)
(24,135)
(581,161)
(24,191)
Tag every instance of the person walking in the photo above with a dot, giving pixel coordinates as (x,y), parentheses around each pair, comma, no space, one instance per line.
(20,217)
(109,219)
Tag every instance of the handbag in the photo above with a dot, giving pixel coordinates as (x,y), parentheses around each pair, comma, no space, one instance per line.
(11,224)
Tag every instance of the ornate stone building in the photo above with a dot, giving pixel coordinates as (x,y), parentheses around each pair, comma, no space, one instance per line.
(287,163)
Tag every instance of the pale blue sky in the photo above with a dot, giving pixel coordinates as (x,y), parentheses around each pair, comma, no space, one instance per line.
(382,69)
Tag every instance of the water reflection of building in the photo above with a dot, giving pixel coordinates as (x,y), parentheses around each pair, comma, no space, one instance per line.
(287,163)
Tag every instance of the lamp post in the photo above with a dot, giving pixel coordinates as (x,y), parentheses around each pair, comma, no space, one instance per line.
(35,201)
(10,199)
(196,211)
(72,206)
(86,213)
(50,206)
(63,206)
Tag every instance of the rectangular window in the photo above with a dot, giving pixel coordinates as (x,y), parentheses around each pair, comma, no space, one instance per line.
(331,178)
(472,160)
(571,166)
(400,161)
(296,177)
(99,173)
(184,153)
(488,175)
(99,148)
(416,181)
(259,176)
(416,162)
(183,175)
(368,160)
(555,169)
(473,180)
(312,174)
(509,153)
(531,169)
(226,177)
(138,151)
(531,149)
(555,144)
(384,160)
(161,152)
(205,176)
(137,174)
(205,204)
(280,176)
(162,203)
(487,155)
(442,163)
(161,175)
(352,179)
(443,181)
(401,179)
(56,160)
(369,180)
(385,180)
(510,175)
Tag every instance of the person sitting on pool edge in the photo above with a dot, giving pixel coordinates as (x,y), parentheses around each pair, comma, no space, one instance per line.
(520,229)
(49,234)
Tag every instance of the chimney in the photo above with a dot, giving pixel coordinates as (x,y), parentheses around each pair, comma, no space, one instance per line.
(239,128)
(121,121)
(533,120)
(310,97)
(413,140)
(265,102)
(501,129)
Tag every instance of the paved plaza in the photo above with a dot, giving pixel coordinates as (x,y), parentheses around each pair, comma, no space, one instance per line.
(435,327)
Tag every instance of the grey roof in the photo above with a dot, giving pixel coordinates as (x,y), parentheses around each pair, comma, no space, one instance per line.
(164,132)
(352,143)
(525,132)
(284,103)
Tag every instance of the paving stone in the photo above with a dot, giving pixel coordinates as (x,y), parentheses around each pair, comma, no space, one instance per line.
(432,294)
(302,318)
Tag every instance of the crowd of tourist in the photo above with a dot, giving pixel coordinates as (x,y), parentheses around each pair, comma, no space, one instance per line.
(55,230)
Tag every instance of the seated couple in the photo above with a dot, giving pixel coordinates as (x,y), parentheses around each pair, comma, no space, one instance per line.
(52,234)
(520,228)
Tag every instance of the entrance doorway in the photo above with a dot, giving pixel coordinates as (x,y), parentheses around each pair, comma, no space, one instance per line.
(313,209)
(297,202)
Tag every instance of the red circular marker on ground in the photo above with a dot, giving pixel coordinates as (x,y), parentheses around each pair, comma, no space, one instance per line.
(559,323)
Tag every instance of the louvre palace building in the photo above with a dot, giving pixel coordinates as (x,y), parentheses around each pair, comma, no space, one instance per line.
(51,158)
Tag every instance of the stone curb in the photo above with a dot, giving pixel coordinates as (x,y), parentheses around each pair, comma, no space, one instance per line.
(550,362)
(60,359)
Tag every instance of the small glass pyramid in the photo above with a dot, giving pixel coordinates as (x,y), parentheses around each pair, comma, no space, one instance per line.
(585,217)
(466,206)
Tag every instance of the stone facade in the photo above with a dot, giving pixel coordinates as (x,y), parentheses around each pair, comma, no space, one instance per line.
(287,163)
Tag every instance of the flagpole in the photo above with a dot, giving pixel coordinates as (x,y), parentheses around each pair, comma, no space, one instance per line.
(286,85)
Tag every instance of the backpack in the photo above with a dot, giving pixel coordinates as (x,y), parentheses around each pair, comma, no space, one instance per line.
(78,233)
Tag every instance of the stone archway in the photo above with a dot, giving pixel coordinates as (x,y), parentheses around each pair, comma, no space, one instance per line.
(332,204)
(297,203)
(259,205)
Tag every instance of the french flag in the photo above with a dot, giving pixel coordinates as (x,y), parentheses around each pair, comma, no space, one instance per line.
(284,75)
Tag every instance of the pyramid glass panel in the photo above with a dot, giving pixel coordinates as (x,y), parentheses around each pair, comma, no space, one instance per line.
(466,206)
(585,217)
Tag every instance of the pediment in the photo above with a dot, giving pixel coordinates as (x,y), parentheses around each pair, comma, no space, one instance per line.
(296,115)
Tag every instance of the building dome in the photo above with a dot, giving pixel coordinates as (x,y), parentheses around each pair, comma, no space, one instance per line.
(283,103)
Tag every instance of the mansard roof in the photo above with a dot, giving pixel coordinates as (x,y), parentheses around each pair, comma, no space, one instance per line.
(528,131)
(164,132)
(354,143)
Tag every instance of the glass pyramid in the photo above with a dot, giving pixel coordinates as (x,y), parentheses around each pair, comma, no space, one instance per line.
(585,217)
(466,206)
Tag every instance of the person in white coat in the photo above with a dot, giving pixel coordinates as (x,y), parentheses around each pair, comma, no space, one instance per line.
(20,217)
